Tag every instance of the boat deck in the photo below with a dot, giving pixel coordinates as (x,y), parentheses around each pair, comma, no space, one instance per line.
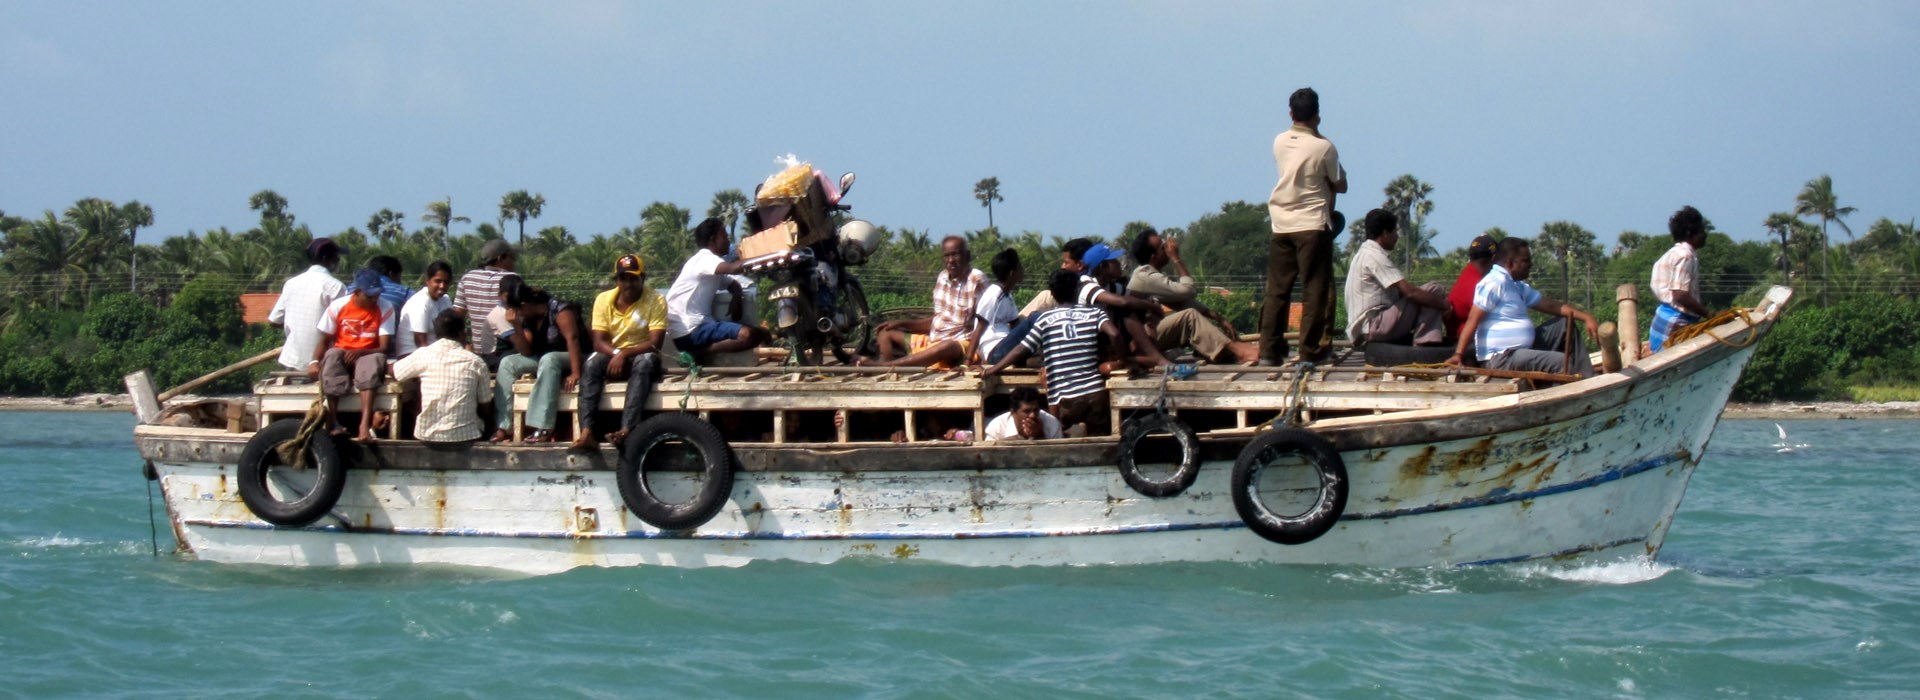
(780,404)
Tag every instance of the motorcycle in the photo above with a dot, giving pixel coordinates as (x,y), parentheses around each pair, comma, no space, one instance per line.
(819,305)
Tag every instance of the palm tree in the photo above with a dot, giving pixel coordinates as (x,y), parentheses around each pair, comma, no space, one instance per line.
(665,242)
(988,192)
(727,206)
(387,225)
(1568,243)
(520,206)
(1817,200)
(98,226)
(1409,199)
(1782,224)
(441,214)
(271,206)
(134,216)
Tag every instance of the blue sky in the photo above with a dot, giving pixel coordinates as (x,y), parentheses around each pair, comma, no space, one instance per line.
(1092,114)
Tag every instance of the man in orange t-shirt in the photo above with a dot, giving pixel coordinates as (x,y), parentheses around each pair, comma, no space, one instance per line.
(355,332)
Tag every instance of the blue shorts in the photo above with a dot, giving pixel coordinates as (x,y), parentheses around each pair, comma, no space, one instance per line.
(711,331)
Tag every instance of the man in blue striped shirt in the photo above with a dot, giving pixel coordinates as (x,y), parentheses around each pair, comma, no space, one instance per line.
(1067,339)
(1504,336)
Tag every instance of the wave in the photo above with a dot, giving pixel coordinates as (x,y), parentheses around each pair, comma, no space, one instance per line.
(1616,573)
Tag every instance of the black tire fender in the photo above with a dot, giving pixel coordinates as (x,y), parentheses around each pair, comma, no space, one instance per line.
(716,466)
(1327,507)
(259,456)
(1139,427)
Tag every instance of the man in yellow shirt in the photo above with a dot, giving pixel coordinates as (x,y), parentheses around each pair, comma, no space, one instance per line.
(629,326)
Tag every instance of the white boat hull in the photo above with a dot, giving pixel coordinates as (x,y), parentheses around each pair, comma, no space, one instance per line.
(1591,470)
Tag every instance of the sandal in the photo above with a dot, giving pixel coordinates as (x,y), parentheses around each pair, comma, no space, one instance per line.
(538,435)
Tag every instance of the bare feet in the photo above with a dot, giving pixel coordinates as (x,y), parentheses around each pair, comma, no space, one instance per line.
(500,435)
(365,437)
(617,437)
(585,441)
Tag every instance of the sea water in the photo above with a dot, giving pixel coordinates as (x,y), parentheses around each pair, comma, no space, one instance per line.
(1785,575)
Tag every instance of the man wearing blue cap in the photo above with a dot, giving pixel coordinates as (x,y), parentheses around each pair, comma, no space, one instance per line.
(355,334)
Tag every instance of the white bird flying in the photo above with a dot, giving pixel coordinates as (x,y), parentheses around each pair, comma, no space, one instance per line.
(1783,446)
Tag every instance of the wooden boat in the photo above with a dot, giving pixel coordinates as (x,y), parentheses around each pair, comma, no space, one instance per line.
(1341,465)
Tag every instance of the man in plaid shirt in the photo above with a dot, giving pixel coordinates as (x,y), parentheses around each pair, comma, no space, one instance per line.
(941,341)
(453,383)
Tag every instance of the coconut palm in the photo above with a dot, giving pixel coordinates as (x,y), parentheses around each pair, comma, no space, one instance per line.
(1817,199)
(988,192)
(520,206)
(1410,199)
(41,262)
(728,205)
(134,216)
(1569,244)
(440,214)
(270,205)
(99,226)
(387,225)
(663,237)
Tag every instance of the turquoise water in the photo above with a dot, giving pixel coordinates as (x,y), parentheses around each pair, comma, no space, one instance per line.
(1786,575)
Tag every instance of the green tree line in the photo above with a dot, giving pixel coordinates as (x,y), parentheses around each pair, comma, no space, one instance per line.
(83,300)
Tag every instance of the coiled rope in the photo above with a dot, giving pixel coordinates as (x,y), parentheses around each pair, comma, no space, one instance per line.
(1693,330)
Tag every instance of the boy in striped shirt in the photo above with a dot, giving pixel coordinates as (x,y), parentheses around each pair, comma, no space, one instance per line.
(1067,339)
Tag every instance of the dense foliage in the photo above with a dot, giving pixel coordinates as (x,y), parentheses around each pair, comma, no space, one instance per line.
(83,302)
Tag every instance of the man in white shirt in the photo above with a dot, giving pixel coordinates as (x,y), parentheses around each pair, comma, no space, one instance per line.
(453,383)
(1382,306)
(418,313)
(1676,278)
(1024,419)
(302,299)
(691,297)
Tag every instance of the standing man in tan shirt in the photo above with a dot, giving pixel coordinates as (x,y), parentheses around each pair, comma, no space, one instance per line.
(1301,209)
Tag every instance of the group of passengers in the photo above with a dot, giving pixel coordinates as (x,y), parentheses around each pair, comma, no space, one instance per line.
(460,354)
(1090,321)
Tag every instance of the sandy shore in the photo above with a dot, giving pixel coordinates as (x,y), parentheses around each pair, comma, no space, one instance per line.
(1827,410)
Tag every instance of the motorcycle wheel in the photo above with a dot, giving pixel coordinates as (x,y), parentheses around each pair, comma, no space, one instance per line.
(859,318)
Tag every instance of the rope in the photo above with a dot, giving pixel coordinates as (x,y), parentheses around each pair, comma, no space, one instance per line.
(1693,330)
(153,530)
(293,452)
(693,372)
(1297,395)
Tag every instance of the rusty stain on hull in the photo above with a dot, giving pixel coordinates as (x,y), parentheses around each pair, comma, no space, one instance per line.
(906,551)
(1473,457)
(1419,465)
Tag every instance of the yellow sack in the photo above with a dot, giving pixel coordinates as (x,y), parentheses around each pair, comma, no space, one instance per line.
(787,186)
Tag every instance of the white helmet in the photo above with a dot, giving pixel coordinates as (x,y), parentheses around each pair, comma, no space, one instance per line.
(858,241)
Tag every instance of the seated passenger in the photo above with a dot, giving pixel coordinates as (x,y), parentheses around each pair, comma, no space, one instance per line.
(453,383)
(356,332)
(630,323)
(301,302)
(942,340)
(479,293)
(994,314)
(1070,254)
(1676,278)
(548,339)
(1460,297)
(393,290)
(1068,342)
(1502,333)
(1190,324)
(1135,316)
(419,311)
(1382,305)
(691,297)
(1024,420)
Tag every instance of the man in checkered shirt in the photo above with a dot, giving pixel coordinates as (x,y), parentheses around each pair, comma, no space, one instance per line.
(941,341)
(453,383)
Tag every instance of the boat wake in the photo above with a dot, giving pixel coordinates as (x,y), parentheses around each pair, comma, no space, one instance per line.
(1616,573)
